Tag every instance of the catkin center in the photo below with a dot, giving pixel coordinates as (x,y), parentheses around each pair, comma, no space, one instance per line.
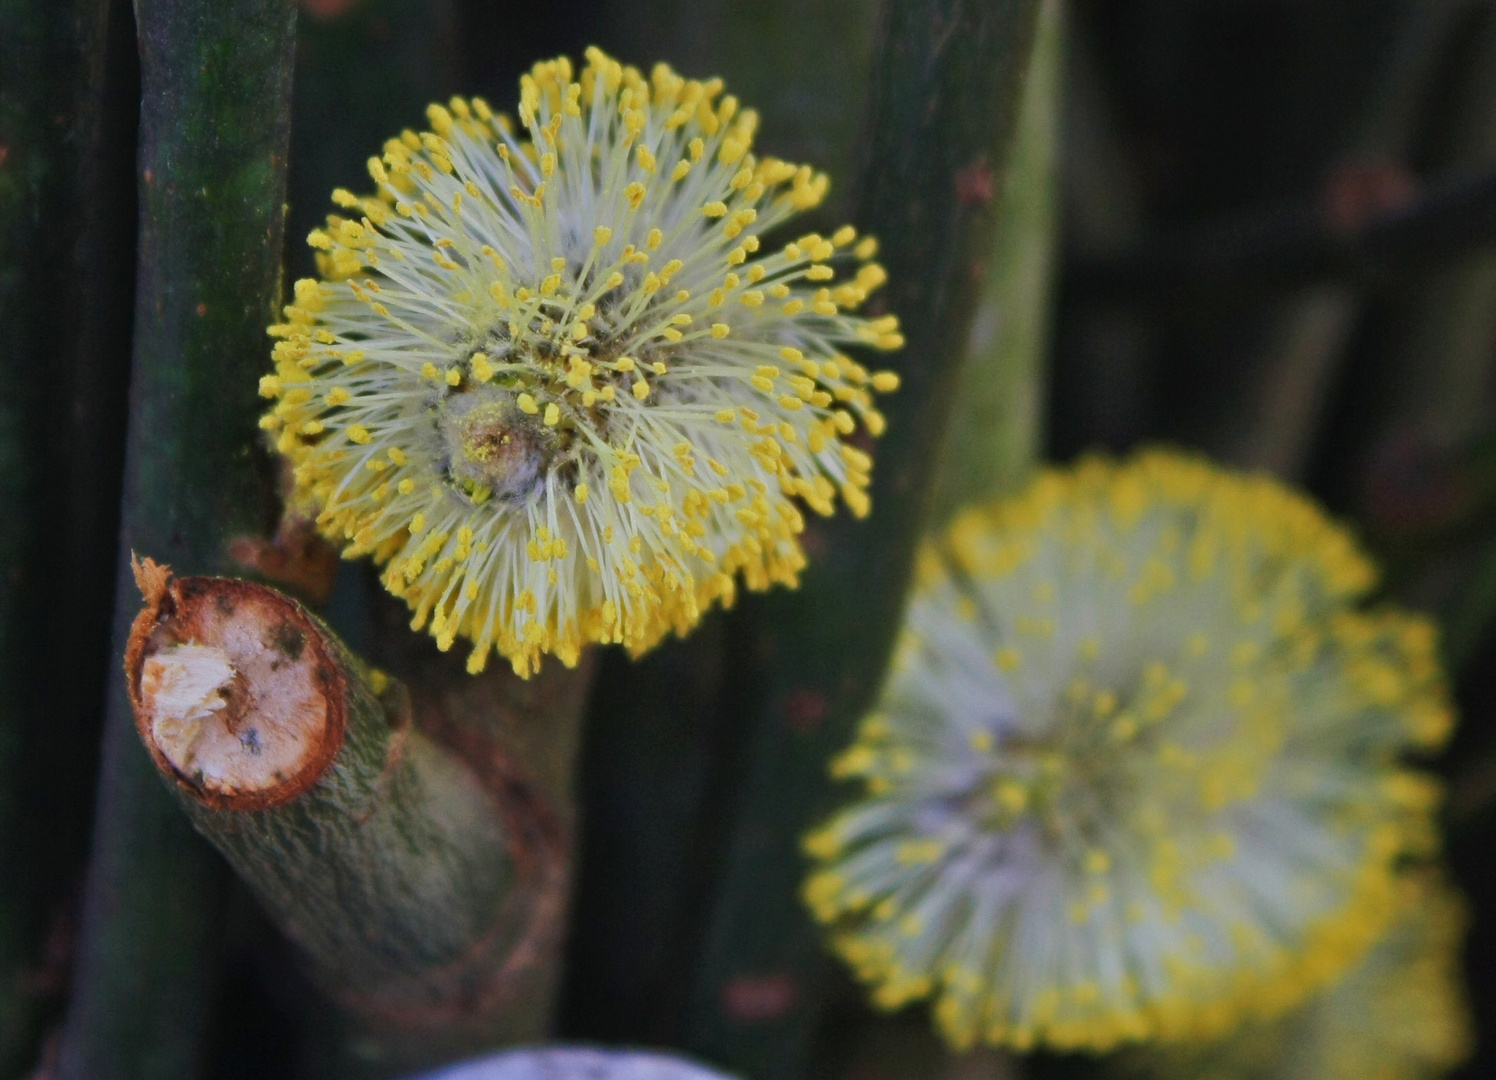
(493,448)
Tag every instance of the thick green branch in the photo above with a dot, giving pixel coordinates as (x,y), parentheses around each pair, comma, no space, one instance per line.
(426,887)
(945,93)
(29,169)
(215,93)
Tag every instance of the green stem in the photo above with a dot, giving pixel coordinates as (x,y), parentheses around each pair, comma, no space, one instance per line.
(992,445)
(425,885)
(996,428)
(945,92)
(214,126)
(29,170)
(654,743)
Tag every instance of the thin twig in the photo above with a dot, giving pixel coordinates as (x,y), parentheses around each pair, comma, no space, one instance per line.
(1292,246)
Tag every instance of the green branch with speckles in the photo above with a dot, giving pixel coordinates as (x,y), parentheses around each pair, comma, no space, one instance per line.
(946,86)
(417,859)
(996,429)
(214,125)
(993,443)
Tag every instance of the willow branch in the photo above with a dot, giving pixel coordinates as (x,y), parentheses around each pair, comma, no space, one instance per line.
(1292,246)
(995,433)
(946,87)
(671,723)
(214,128)
(51,64)
(425,882)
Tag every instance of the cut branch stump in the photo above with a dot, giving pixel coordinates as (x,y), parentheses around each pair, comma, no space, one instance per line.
(425,880)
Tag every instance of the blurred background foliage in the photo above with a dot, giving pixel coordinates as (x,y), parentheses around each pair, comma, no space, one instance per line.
(1165,146)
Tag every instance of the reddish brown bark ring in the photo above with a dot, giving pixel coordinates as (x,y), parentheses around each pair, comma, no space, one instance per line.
(196,610)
